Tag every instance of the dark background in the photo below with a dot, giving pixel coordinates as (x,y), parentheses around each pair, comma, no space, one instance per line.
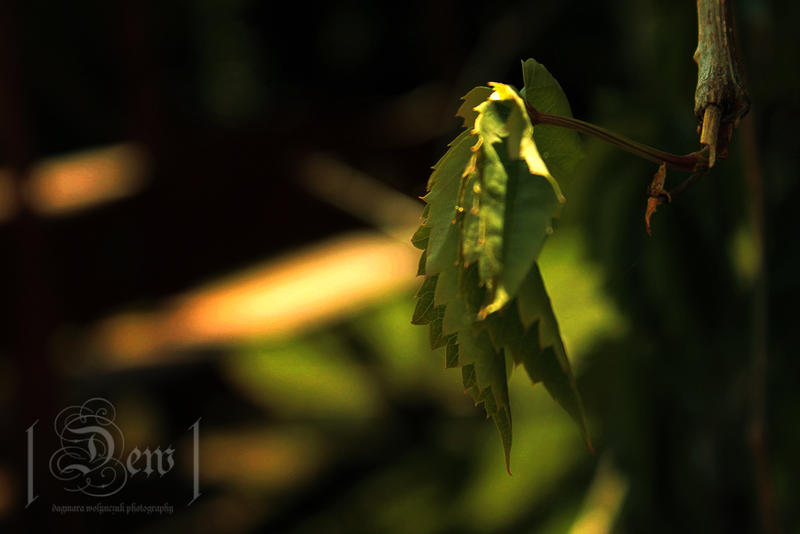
(227,102)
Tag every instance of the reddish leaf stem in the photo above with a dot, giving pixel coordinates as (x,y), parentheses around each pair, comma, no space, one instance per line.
(693,161)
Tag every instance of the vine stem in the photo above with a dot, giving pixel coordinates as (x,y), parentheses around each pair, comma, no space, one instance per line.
(693,162)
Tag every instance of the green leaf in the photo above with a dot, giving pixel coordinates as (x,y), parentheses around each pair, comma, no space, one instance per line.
(483,367)
(457,317)
(444,187)
(443,253)
(468,376)
(560,148)
(437,338)
(446,286)
(520,133)
(451,352)
(506,331)
(489,208)
(470,203)
(508,232)
(491,216)
(490,124)
(530,206)
(437,173)
(542,90)
(420,237)
(544,355)
(487,381)
(442,198)
(472,99)
(423,313)
(420,241)
(470,289)
(423,259)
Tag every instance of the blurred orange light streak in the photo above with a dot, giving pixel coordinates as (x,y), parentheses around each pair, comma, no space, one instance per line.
(64,184)
(282,297)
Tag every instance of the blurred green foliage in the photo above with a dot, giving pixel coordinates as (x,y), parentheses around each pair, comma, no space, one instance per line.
(354,378)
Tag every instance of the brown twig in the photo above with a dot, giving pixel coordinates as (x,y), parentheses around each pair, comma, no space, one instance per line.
(721,98)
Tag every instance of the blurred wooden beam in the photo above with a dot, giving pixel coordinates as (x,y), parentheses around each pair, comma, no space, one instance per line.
(66,184)
(361,195)
(278,298)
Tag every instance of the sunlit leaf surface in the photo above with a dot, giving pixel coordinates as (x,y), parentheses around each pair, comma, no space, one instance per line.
(489,208)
